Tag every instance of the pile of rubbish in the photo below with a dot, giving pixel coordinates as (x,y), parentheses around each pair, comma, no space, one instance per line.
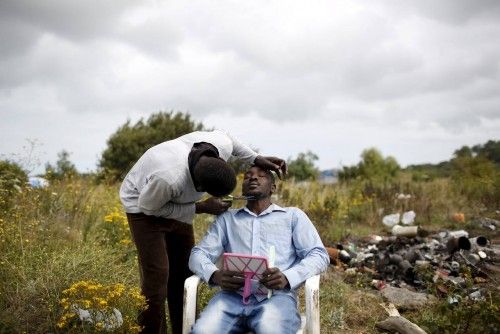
(407,256)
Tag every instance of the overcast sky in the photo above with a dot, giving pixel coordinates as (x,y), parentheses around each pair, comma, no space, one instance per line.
(415,79)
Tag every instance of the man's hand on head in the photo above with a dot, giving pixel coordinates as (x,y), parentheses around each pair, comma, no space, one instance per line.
(274,164)
(213,206)
(274,279)
(228,280)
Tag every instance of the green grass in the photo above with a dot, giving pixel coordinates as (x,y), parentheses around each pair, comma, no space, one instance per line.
(74,231)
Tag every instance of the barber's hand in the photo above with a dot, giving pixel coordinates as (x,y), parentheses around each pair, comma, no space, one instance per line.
(213,206)
(272,163)
(228,280)
(273,278)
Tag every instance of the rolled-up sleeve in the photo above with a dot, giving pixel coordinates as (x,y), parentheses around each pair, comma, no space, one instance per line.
(309,248)
(207,252)
(154,199)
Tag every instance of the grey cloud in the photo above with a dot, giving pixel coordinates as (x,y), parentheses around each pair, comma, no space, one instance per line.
(424,62)
(459,11)
(23,22)
(75,20)
(453,12)
(157,37)
(16,36)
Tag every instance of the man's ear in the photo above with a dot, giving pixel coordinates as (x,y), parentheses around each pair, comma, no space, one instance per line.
(273,188)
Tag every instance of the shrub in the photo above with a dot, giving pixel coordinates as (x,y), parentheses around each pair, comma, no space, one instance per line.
(12,179)
(63,168)
(129,142)
(373,168)
(99,305)
(302,168)
(477,178)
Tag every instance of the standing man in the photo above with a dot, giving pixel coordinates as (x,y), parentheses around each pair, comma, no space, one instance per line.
(160,195)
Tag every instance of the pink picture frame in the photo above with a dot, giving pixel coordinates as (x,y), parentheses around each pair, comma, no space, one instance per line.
(252,267)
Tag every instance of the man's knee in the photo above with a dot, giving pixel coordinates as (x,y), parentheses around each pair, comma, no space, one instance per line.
(220,315)
(279,316)
(211,319)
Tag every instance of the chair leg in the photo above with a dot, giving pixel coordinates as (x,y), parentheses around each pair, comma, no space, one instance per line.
(190,295)
(312,305)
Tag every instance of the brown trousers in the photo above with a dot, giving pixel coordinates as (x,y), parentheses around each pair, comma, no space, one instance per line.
(163,247)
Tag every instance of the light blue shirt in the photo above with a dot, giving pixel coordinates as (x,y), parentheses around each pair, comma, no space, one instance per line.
(300,254)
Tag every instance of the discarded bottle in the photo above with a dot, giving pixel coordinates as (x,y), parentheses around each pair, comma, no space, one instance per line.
(405,231)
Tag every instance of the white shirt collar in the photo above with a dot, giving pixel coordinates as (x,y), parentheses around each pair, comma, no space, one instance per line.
(271,208)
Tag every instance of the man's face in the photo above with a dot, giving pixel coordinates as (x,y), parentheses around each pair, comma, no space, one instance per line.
(257,182)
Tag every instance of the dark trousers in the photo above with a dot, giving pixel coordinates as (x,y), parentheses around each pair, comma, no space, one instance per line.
(163,247)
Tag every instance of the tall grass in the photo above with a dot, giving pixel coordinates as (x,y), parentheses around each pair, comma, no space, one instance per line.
(75,231)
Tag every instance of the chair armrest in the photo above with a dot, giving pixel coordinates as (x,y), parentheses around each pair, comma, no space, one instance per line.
(189,307)
(312,305)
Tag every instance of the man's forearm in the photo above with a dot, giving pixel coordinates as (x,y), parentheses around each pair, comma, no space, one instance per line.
(316,262)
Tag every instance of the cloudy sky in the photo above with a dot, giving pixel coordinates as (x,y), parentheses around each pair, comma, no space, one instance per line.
(415,79)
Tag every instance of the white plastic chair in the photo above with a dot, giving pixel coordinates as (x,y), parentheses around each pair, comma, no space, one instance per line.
(309,321)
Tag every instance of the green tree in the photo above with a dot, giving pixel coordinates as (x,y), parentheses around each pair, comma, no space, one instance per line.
(463,152)
(490,150)
(373,167)
(129,142)
(12,179)
(477,178)
(303,168)
(63,168)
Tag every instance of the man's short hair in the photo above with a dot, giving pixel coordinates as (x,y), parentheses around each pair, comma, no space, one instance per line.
(215,176)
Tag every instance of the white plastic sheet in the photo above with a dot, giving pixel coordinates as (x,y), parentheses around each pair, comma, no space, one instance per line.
(391,220)
(408,217)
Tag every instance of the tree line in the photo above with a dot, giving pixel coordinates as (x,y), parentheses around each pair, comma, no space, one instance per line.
(130,141)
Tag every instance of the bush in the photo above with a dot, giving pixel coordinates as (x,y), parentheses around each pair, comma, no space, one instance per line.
(478,179)
(12,179)
(303,168)
(63,168)
(129,142)
(373,168)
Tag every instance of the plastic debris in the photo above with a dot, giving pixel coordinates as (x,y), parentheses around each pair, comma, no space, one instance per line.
(408,217)
(405,259)
(391,220)
(38,182)
(404,231)
(110,321)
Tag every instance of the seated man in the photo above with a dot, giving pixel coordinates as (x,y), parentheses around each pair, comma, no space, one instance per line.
(252,230)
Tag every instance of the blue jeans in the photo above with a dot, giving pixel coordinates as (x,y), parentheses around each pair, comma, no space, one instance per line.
(225,313)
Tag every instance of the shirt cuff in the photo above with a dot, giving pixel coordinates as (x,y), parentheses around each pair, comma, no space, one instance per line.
(293,278)
(208,272)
